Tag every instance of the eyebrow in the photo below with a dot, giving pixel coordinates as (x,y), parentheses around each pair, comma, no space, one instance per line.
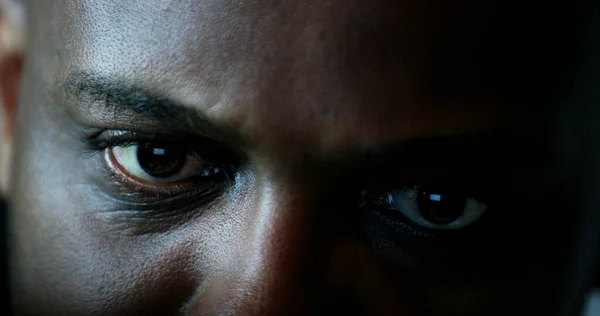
(127,103)
(477,152)
(121,98)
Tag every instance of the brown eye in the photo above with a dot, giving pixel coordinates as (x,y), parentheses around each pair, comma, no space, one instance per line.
(161,163)
(161,160)
(440,206)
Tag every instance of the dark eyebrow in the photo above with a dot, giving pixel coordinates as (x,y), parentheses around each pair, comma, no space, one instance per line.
(121,98)
(475,153)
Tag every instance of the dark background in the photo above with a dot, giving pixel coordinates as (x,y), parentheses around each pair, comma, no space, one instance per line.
(3,261)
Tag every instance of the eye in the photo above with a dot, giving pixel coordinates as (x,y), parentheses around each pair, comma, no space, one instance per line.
(161,163)
(432,207)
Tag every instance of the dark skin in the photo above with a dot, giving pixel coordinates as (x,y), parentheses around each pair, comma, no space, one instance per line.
(305,108)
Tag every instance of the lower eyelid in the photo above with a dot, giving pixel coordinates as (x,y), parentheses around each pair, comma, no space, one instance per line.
(423,250)
(136,192)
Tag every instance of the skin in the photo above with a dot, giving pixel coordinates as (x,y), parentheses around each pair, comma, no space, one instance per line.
(304,91)
(11,45)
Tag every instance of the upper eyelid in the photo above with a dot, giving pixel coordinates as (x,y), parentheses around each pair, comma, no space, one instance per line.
(471,188)
(111,138)
(205,147)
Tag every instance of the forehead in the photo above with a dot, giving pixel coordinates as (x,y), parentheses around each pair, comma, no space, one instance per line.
(321,72)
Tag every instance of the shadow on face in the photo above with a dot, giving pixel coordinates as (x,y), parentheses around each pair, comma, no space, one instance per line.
(357,157)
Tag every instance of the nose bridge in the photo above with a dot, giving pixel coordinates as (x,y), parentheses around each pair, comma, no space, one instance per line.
(267,272)
(278,249)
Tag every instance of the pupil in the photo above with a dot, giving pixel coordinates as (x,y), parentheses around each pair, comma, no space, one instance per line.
(440,206)
(161,161)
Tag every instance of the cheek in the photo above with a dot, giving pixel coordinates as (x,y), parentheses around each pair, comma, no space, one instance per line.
(354,268)
(395,290)
(77,271)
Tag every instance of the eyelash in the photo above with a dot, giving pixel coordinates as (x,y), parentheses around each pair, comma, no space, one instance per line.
(206,148)
(130,192)
(397,228)
(114,138)
(394,226)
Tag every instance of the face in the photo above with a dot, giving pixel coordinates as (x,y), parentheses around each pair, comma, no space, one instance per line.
(266,158)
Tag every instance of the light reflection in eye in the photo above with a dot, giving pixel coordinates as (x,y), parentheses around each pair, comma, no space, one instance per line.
(435,197)
(433,209)
(160,163)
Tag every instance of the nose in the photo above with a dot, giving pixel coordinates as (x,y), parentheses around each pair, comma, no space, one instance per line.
(273,270)
(298,256)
